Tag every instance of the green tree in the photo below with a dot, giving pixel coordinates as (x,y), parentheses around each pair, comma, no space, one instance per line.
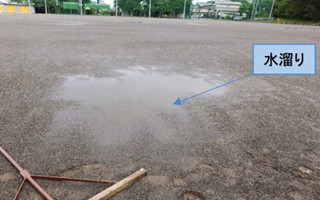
(158,6)
(161,6)
(263,9)
(298,9)
(246,7)
(312,10)
(283,9)
(178,5)
(51,5)
(131,6)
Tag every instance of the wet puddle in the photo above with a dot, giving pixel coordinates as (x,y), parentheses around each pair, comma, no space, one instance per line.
(115,108)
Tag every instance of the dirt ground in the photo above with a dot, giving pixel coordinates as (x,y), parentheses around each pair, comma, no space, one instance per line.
(92,97)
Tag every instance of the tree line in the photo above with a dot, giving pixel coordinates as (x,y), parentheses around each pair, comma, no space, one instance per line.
(158,7)
(288,9)
(298,9)
(51,5)
(132,7)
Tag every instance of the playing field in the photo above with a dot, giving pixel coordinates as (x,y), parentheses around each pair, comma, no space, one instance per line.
(92,97)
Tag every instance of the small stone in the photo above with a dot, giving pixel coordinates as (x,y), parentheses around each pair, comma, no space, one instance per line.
(266,151)
(296,196)
(191,195)
(299,174)
(206,167)
(178,182)
(305,170)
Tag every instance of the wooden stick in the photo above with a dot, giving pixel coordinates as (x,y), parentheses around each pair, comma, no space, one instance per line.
(119,186)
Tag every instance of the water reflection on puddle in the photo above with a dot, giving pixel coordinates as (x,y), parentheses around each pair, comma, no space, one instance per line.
(114,108)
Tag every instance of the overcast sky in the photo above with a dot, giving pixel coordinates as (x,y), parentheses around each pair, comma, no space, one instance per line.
(109,2)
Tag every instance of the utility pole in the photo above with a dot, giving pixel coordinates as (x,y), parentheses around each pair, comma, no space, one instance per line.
(255,10)
(252,11)
(45,6)
(184,9)
(29,6)
(149,8)
(271,10)
(80,4)
(57,4)
(116,8)
(216,3)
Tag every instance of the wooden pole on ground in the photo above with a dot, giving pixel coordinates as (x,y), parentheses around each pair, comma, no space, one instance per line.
(119,186)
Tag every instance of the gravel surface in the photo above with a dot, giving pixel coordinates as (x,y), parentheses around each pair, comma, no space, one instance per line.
(92,97)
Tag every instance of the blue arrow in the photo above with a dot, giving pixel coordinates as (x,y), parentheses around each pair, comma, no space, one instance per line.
(179,101)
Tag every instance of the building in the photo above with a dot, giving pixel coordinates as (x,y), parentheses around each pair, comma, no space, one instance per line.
(224,8)
(16,8)
(202,10)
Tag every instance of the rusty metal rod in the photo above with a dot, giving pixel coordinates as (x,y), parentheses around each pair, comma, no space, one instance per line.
(71,179)
(10,159)
(20,189)
(26,175)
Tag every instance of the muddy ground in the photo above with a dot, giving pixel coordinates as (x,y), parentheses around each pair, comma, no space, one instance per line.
(92,97)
